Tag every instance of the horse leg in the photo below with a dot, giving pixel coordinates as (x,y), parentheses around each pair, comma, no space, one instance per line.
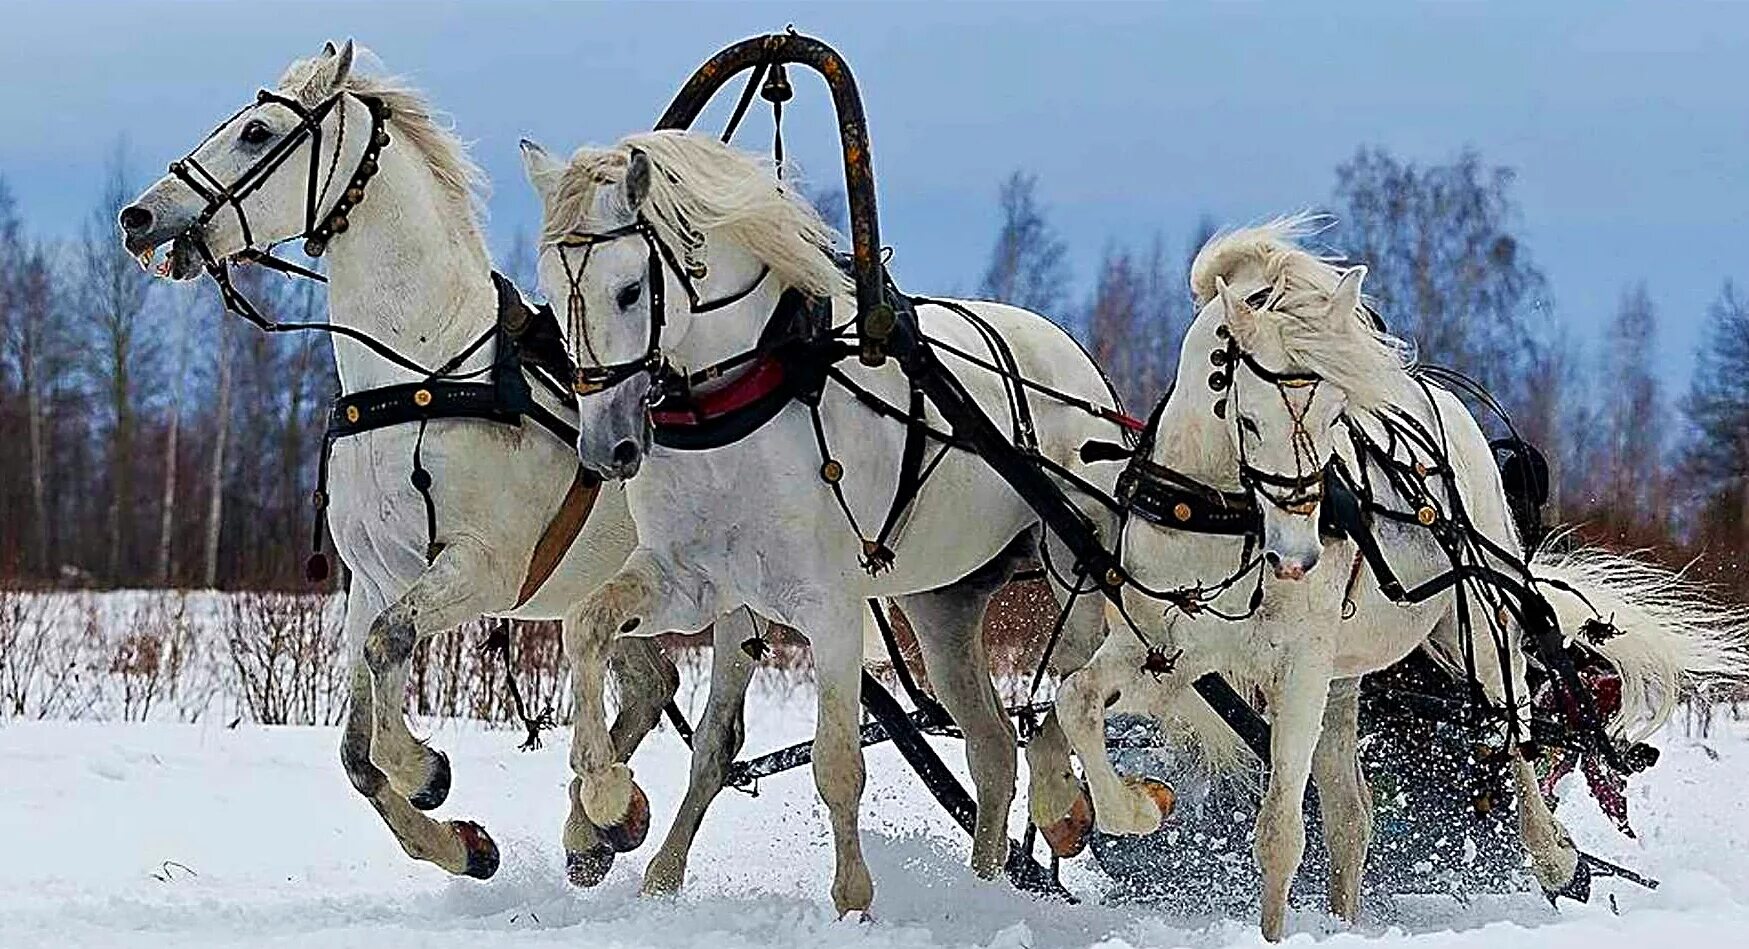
(441,598)
(1052,791)
(609,812)
(838,765)
(1344,797)
(1296,717)
(714,746)
(1119,806)
(1554,859)
(647,681)
(949,625)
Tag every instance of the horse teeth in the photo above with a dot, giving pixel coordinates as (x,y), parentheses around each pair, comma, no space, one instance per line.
(165,268)
(145,258)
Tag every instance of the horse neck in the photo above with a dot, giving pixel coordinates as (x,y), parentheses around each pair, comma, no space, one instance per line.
(1190,438)
(411,271)
(717,335)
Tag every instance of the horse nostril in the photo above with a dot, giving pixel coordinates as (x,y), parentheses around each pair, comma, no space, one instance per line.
(1272,560)
(135,219)
(625,452)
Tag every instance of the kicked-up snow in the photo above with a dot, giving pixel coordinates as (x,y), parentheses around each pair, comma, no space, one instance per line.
(162,834)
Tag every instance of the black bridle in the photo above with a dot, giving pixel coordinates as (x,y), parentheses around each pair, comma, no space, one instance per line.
(597,375)
(1300,492)
(319,229)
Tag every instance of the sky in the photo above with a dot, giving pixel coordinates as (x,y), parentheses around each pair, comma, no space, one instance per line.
(1627,124)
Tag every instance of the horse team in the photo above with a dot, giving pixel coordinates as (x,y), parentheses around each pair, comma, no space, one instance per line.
(671,256)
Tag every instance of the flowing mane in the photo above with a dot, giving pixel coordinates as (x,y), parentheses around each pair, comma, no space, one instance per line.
(698,185)
(1297,321)
(414,122)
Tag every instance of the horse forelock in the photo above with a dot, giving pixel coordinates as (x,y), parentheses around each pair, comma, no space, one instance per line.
(1297,326)
(700,186)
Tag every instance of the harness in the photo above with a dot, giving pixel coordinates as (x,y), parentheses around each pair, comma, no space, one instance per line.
(526,342)
(1480,570)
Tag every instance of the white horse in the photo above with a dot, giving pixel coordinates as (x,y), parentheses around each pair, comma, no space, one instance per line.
(410,268)
(785,519)
(1279,370)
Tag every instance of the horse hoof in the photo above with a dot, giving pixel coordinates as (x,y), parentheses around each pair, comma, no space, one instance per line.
(1067,836)
(629,833)
(481,851)
(436,789)
(1159,791)
(586,868)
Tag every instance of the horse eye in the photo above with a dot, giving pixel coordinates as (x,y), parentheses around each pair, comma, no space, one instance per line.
(255,132)
(1248,425)
(627,297)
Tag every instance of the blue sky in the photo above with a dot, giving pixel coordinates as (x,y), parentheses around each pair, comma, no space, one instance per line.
(1628,124)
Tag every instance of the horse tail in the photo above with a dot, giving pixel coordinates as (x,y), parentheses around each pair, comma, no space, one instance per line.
(1661,630)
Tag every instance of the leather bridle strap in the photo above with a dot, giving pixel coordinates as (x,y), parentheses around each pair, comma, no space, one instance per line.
(599,376)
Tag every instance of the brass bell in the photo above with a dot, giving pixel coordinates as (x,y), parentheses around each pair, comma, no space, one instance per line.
(422,397)
(1426,515)
(1181,511)
(831,471)
(352,414)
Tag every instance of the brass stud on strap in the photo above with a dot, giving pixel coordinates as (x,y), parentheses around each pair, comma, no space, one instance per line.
(422,397)
(1114,578)
(352,414)
(1420,469)
(1181,510)
(831,471)
(1427,515)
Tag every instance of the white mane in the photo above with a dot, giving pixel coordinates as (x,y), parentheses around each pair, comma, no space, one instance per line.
(412,121)
(1297,321)
(698,186)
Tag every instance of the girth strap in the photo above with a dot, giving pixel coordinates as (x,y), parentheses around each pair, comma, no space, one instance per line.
(561,533)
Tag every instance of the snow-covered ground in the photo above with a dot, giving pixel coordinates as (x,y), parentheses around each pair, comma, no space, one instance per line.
(163,834)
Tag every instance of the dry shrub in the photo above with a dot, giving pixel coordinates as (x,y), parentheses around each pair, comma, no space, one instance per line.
(288,658)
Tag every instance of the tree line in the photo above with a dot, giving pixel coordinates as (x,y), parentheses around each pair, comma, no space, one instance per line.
(149,440)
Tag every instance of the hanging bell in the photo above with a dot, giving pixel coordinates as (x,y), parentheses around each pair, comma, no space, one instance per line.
(316,568)
(777,87)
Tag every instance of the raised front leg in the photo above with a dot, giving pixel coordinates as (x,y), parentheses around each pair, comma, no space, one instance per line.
(647,681)
(609,812)
(1120,806)
(714,746)
(1343,797)
(399,774)
(1296,706)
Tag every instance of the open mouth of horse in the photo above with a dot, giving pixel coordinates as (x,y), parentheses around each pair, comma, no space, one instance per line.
(180,262)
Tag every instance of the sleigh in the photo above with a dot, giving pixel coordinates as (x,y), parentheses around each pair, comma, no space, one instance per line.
(1442,798)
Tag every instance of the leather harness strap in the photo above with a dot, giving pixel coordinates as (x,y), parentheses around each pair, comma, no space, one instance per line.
(560,534)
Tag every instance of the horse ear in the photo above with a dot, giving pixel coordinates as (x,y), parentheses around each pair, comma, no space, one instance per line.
(1241,319)
(342,65)
(541,168)
(637,183)
(328,48)
(1345,299)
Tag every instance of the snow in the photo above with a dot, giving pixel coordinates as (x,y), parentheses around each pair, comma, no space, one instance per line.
(164,834)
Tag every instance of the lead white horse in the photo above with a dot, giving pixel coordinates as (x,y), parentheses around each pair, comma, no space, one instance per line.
(1279,368)
(412,270)
(761,521)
